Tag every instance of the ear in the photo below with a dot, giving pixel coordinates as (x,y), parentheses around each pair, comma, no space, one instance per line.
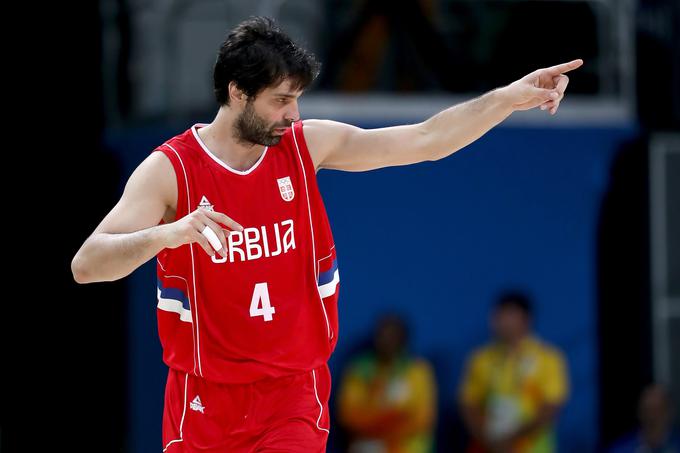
(235,93)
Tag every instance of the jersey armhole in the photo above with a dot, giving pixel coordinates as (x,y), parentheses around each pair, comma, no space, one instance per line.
(180,178)
(299,136)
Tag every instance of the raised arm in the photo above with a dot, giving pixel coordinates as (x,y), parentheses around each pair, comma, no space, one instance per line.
(341,146)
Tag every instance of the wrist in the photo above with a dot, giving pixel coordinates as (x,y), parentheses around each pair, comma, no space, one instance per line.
(504,99)
(158,236)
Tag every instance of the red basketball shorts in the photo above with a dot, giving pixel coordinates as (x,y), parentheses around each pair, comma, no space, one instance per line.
(285,414)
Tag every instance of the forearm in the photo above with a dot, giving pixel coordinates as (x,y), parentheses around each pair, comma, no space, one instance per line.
(460,125)
(111,256)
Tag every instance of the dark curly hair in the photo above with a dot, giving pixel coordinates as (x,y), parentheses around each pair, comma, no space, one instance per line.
(257,54)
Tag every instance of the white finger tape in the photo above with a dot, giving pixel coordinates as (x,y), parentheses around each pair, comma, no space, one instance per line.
(212,237)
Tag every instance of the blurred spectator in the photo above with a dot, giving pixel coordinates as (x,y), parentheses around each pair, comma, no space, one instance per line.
(656,433)
(387,399)
(513,387)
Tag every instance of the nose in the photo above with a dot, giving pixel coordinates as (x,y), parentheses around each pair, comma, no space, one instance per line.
(293,113)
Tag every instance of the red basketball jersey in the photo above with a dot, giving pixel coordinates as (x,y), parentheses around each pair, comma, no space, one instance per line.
(269,308)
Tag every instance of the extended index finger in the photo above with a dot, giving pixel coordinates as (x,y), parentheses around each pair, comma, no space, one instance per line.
(565,67)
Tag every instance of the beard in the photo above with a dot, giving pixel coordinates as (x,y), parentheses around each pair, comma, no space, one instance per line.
(249,127)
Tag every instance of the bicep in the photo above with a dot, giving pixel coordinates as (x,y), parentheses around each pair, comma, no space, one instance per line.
(341,146)
(148,192)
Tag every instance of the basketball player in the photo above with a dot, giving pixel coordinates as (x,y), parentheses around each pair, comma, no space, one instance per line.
(247,326)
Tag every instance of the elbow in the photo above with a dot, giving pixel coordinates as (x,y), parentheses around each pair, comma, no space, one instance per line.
(439,154)
(435,146)
(433,151)
(433,157)
(85,272)
(424,141)
(439,151)
(79,270)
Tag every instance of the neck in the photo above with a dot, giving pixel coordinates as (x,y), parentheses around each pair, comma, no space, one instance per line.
(219,137)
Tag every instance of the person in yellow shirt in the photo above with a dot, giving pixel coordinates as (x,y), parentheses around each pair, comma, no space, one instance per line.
(513,387)
(387,399)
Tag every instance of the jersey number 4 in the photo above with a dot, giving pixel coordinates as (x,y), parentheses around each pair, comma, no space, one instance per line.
(259,304)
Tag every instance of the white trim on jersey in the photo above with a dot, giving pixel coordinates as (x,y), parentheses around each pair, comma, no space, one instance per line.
(175,306)
(311,227)
(194,309)
(328,289)
(184,410)
(327,256)
(216,159)
(320,405)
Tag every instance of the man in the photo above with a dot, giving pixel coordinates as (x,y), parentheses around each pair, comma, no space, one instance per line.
(247,325)
(388,398)
(514,387)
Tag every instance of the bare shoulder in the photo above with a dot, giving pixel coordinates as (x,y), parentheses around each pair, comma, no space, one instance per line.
(323,136)
(157,170)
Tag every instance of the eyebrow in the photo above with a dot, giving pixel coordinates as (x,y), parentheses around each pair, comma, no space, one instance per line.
(285,95)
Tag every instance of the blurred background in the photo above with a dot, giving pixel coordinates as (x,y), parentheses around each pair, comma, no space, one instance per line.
(579,212)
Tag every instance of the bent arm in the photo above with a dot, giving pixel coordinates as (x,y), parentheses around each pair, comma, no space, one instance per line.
(130,233)
(112,256)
